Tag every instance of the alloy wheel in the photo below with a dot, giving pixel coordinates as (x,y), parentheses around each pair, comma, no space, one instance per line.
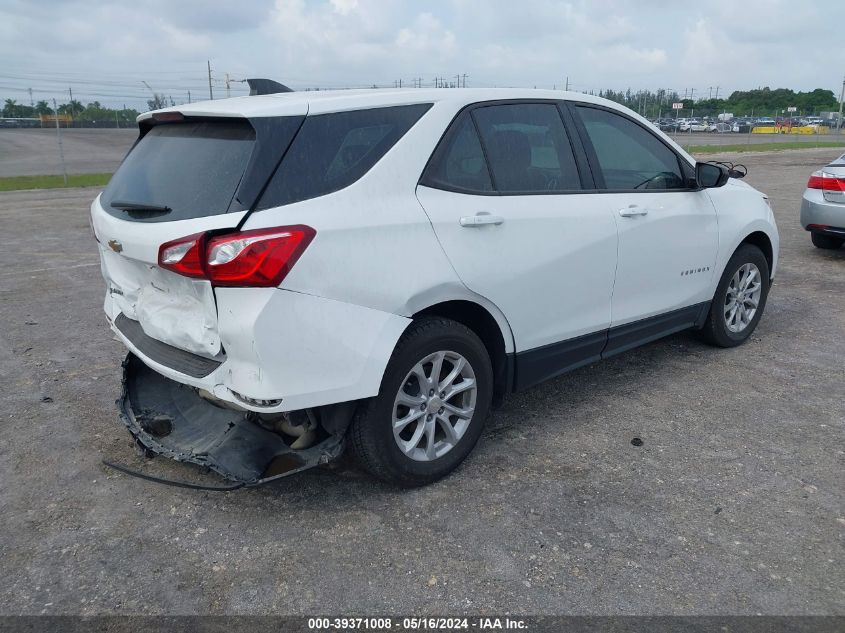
(742,297)
(434,406)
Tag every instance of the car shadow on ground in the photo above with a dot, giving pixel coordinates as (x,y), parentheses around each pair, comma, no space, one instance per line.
(526,413)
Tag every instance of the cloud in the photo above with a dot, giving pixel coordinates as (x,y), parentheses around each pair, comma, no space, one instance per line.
(427,35)
(107,48)
(344,6)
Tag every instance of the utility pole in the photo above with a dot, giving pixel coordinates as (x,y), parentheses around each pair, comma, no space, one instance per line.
(567,83)
(465,79)
(228,93)
(717,92)
(70,107)
(59,136)
(31,102)
(189,96)
(841,99)
(210,91)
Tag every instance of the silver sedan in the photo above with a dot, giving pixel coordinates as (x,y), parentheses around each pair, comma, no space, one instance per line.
(823,205)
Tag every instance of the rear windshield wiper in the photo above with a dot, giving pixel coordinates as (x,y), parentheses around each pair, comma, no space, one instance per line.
(142,207)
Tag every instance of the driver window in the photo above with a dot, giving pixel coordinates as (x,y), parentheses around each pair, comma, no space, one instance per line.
(527,148)
(629,156)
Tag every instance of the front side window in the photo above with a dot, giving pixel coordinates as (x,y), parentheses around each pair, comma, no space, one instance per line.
(527,148)
(331,151)
(630,157)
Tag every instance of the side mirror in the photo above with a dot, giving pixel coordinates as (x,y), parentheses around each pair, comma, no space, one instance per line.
(709,175)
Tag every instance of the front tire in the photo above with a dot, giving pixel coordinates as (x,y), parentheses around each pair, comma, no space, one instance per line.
(826,241)
(740,298)
(430,410)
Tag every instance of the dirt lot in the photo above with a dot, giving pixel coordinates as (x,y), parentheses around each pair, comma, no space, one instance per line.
(733,505)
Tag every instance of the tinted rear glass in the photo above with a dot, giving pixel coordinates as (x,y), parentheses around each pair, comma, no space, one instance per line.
(192,168)
(331,151)
(527,148)
(458,162)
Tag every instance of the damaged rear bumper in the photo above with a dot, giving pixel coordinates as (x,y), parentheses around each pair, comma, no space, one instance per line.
(171,419)
(291,350)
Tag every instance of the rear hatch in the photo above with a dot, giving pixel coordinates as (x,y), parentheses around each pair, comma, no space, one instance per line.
(184,176)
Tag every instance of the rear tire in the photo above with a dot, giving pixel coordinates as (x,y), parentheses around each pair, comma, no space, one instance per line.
(826,241)
(403,434)
(740,298)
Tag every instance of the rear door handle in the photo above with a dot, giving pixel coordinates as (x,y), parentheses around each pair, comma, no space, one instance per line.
(632,210)
(480,219)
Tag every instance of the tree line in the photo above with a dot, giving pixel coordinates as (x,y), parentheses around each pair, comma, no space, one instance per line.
(93,114)
(757,102)
(653,104)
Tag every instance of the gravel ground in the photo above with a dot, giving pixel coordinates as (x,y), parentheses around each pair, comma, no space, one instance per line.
(734,504)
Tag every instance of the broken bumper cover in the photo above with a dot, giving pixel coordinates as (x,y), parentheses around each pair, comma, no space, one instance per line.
(300,350)
(171,419)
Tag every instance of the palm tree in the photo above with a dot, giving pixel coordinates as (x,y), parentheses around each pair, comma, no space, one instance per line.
(76,107)
(10,108)
(42,107)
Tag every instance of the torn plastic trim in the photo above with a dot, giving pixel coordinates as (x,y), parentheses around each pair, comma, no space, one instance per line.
(171,419)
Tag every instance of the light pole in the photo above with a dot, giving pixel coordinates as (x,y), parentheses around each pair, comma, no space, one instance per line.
(59,136)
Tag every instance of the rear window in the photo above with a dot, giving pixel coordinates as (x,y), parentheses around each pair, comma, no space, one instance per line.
(331,151)
(191,168)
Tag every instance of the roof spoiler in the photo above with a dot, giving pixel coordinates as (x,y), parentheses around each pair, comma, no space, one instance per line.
(266,87)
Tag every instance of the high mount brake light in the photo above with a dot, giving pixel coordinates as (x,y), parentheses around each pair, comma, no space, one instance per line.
(168,117)
(258,258)
(826,182)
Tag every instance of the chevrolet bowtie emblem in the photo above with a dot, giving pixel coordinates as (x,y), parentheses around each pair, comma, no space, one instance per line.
(115,246)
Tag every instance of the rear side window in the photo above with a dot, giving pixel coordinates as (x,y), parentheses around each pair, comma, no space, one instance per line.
(458,164)
(331,151)
(527,148)
(630,156)
(193,169)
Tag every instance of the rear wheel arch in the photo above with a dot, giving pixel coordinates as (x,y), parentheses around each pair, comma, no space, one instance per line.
(482,322)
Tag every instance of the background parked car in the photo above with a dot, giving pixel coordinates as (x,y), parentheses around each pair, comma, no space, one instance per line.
(693,125)
(823,205)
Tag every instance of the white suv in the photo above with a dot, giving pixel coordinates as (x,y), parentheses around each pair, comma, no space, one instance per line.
(291,271)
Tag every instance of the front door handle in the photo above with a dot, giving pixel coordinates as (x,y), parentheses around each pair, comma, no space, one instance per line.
(632,210)
(480,219)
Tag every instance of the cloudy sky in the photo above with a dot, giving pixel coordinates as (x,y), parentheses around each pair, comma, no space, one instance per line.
(105,50)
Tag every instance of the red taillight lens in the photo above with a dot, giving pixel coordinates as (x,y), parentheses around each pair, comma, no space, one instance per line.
(184,256)
(258,258)
(826,182)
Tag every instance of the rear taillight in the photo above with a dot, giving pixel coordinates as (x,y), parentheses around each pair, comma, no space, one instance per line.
(826,182)
(184,256)
(258,258)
